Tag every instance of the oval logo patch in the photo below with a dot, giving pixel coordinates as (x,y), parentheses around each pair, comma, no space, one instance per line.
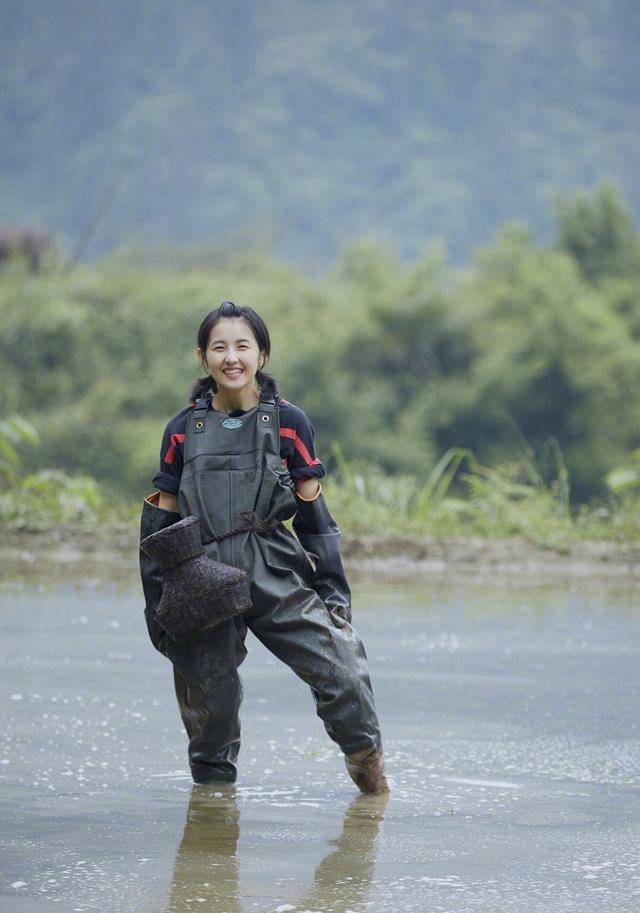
(232,423)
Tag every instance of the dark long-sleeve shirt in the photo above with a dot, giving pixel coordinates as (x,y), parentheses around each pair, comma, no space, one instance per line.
(297,447)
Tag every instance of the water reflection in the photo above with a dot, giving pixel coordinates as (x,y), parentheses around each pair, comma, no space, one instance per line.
(206,868)
(341,881)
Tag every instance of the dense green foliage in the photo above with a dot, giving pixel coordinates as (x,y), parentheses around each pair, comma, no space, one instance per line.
(531,350)
(309,122)
(46,497)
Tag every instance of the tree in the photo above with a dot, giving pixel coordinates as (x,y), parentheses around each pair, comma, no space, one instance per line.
(598,231)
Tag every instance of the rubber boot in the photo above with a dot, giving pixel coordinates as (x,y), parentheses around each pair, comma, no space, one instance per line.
(366,769)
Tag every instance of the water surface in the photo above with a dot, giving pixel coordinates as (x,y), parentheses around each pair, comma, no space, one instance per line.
(511,722)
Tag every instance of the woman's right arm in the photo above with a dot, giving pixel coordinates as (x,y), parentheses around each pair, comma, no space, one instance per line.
(167,501)
(166,481)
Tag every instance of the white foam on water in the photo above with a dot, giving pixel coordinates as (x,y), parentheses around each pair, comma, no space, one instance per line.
(172,775)
(500,784)
(446,881)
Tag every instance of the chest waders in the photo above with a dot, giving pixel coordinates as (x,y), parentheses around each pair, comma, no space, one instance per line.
(232,466)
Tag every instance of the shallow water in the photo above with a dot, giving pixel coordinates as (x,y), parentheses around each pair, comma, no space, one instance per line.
(512,732)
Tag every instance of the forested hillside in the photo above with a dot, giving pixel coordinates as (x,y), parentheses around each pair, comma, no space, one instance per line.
(298,125)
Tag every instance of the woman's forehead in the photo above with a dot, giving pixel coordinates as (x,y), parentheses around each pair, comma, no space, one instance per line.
(232,329)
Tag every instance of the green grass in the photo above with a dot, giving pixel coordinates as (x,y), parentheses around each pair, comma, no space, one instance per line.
(458,498)
(462,498)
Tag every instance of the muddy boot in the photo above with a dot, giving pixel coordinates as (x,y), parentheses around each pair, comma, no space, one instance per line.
(366,769)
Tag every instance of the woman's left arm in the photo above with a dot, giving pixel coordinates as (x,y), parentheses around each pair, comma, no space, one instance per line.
(314,526)
(318,533)
(307,489)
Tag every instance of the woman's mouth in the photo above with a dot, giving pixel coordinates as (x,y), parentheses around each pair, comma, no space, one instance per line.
(232,372)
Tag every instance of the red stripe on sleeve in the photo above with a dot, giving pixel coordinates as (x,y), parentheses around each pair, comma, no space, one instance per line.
(302,450)
(171,452)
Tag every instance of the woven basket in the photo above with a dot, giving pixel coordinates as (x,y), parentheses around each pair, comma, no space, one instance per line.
(198,593)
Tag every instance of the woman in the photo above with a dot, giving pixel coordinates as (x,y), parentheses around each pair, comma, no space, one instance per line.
(240,447)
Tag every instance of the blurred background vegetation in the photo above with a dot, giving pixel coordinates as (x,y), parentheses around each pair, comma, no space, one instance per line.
(510,383)
(398,189)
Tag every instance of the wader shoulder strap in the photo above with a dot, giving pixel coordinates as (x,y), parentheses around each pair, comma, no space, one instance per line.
(268,424)
(196,424)
(197,421)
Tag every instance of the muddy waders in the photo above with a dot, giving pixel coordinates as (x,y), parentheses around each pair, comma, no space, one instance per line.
(231,466)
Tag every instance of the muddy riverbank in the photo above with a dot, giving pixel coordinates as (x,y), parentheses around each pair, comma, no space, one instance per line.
(112,550)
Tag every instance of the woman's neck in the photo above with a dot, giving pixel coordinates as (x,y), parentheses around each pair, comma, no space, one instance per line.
(240,401)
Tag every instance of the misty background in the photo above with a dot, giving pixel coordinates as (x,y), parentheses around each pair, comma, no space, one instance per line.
(303,124)
(434,206)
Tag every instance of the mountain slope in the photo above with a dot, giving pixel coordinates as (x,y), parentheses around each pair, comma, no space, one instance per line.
(307,123)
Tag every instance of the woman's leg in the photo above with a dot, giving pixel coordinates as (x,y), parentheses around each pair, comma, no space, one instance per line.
(209,693)
(325,652)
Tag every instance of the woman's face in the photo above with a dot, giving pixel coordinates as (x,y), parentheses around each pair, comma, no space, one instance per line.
(232,356)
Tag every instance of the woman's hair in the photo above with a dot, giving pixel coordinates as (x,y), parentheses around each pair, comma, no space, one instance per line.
(268,386)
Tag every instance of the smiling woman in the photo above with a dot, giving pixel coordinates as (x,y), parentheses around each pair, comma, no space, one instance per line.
(241,459)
